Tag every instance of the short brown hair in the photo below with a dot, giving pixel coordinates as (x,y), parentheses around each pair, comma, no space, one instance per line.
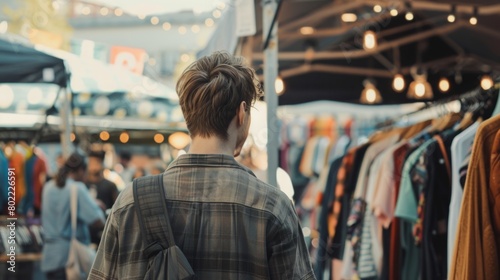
(210,91)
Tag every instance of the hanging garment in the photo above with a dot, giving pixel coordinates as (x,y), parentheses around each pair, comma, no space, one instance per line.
(495,188)
(347,177)
(40,176)
(475,254)
(27,203)
(4,180)
(326,206)
(459,147)
(16,161)
(355,220)
(406,209)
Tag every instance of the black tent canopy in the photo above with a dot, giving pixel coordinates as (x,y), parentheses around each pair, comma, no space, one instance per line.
(21,63)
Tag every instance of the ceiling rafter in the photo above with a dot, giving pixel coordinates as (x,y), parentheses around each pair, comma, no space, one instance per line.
(359,53)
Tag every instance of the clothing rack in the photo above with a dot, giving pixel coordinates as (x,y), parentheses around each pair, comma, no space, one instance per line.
(475,100)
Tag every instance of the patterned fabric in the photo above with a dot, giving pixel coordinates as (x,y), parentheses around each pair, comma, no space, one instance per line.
(229,225)
(419,180)
(339,192)
(355,228)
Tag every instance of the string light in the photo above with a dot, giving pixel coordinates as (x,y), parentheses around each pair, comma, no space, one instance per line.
(486,82)
(118,12)
(195,28)
(217,14)
(377,8)
(349,17)
(279,85)
(159,138)
(166,26)
(155,20)
(209,22)
(306,30)
(398,83)
(473,18)
(369,40)
(104,11)
(409,16)
(394,12)
(444,84)
(104,135)
(182,30)
(124,137)
(452,16)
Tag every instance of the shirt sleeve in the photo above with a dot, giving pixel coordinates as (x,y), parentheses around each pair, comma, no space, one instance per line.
(287,251)
(106,261)
(88,210)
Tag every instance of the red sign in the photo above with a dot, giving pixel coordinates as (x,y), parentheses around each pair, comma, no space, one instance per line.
(128,58)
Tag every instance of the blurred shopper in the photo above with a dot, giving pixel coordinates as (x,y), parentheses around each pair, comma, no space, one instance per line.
(229,224)
(104,190)
(283,179)
(56,216)
(158,167)
(128,169)
(139,172)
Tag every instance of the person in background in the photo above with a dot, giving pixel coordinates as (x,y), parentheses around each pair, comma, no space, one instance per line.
(228,223)
(246,158)
(128,171)
(104,190)
(157,168)
(56,216)
(139,172)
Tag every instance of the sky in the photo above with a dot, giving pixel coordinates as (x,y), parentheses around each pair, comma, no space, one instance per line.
(149,7)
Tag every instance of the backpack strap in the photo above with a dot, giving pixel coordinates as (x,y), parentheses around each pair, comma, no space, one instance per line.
(151,209)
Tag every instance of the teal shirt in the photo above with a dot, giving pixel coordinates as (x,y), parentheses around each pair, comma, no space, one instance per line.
(56,221)
(406,206)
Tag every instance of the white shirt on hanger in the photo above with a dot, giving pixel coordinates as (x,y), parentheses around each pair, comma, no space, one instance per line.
(459,147)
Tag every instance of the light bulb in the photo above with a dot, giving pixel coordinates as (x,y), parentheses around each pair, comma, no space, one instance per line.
(377,8)
(473,20)
(159,138)
(451,18)
(124,137)
(409,16)
(444,85)
(486,82)
(155,20)
(369,40)
(279,85)
(398,84)
(371,95)
(349,17)
(104,135)
(420,89)
(394,12)
(307,30)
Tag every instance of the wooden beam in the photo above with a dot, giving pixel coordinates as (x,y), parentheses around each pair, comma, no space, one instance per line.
(330,10)
(360,53)
(445,7)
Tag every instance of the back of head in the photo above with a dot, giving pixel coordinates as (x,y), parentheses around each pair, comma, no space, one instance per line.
(211,90)
(74,163)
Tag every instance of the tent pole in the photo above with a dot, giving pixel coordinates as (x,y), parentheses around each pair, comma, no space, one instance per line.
(269,10)
(65,125)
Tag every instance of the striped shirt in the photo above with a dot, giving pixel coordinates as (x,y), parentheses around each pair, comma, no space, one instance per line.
(229,225)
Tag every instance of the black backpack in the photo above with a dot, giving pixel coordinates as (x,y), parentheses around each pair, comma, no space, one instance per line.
(165,259)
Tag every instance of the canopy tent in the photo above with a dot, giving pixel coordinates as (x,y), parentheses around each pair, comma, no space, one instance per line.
(327,61)
(21,63)
(93,76)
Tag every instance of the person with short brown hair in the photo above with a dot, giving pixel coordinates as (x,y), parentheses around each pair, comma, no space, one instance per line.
(228,223)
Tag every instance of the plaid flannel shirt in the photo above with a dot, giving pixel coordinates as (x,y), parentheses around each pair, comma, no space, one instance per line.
(229,225)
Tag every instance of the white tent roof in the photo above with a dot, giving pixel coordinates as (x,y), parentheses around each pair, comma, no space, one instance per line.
(90,75)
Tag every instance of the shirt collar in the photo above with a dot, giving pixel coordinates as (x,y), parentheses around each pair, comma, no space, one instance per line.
(208,160)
